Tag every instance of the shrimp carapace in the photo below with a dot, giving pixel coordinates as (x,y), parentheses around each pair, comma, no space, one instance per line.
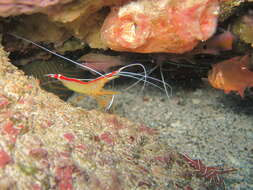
(232,75)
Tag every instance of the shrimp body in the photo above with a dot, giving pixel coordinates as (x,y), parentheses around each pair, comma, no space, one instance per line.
(90,88)
(93,88)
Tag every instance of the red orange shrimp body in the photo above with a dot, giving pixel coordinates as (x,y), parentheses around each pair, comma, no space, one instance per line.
(93,88)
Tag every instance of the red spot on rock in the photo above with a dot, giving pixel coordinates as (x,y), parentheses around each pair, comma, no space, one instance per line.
(47,124)
(144,183)
(64,177)
(4,158)
(81,146)
(36,187)
(107,137)
(115,122)
(12,131)
(65,154)
(69,136)
(6,115)
(3,101)
(9,128)
(162,159)
(30,86)
(147,130)
(21,101)
(20,127)
(38,153)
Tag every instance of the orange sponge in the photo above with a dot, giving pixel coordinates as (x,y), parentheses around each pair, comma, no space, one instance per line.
(173,26)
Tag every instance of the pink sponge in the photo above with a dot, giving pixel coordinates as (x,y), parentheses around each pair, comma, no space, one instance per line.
(173,26)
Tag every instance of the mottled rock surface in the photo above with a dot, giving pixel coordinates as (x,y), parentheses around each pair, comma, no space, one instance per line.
(17,7)
(47,144)
(160,26)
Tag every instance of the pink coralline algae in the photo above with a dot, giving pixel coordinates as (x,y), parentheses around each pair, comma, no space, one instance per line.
(64,178)
(4,158)
(11,130)
(3,101)
(107,137)
(38,153)
(69,137)
(173,26)
(16,7)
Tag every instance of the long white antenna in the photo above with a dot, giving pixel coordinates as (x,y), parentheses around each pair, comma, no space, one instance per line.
(56,54)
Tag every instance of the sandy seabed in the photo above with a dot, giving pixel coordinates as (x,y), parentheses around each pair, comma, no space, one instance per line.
(201,121)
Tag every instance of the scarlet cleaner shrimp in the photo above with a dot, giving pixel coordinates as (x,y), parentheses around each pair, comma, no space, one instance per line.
(94,87)
(211,173)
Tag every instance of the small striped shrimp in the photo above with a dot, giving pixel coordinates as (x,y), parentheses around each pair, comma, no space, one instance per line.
(92,88)
(95,87)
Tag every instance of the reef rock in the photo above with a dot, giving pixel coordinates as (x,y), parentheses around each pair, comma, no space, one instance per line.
(17,7)
(81,19)
(160,25)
